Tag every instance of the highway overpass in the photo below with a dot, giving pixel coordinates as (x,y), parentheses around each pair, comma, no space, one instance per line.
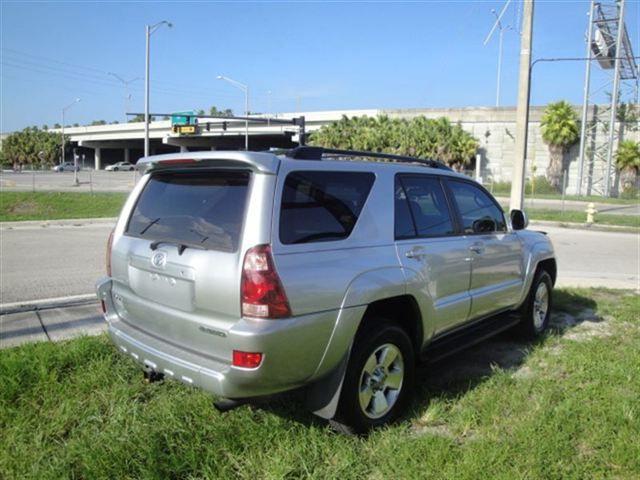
(106,144)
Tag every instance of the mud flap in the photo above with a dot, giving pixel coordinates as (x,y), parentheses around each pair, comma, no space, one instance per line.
(322,396)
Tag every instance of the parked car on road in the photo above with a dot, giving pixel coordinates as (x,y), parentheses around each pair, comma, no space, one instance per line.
(66,167)
(248,274)
(120,166)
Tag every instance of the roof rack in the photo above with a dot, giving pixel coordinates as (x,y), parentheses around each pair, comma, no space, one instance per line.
(317,153)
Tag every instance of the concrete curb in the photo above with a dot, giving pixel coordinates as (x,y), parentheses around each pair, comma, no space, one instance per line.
(47,303)
(71,222)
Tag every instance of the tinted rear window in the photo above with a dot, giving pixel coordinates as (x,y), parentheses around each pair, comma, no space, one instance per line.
(322,206)
(204,209)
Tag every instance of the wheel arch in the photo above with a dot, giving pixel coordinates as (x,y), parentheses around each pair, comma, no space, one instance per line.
(402,310)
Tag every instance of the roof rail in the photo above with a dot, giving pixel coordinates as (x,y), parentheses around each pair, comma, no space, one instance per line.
(316,153)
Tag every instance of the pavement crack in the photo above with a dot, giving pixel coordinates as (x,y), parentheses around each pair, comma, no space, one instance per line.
(42,324)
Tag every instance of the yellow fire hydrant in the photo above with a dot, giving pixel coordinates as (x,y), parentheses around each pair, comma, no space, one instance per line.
(591,211)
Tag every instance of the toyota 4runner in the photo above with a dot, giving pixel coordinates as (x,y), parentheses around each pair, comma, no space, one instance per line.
(252,273)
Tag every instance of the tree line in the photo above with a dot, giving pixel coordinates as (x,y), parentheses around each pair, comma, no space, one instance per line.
(437,139)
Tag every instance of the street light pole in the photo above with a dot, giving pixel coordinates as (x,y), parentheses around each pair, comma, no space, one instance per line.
(498,24)
(245,89)
(149,29)
(63,112)
(127,95)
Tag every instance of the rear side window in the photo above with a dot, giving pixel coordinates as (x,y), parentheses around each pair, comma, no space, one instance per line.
(322,206)
(204,209)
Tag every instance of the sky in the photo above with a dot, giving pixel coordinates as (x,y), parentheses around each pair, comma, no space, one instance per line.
(309,55)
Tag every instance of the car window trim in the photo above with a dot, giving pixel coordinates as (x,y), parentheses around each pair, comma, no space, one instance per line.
(453,218)
(449,191)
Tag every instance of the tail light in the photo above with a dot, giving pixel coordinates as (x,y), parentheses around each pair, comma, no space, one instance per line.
(246,359)
(108,258)
(261,290)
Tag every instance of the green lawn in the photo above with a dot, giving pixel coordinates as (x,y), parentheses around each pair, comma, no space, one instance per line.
(581,217)
(565,407)
(573,198)
(15,206)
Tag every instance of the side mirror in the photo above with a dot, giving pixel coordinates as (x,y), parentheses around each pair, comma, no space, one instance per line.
(519,220)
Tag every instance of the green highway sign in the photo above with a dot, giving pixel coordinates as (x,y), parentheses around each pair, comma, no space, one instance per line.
(183,118)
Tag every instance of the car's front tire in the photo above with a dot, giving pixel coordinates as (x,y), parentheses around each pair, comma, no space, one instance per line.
(536,310)
(379,379)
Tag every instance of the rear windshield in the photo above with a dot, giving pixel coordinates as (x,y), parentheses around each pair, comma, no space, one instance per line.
(322,206)
(204,209)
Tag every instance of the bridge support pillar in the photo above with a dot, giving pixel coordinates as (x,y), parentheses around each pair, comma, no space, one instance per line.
(127,155)
(97,157)
(183,149)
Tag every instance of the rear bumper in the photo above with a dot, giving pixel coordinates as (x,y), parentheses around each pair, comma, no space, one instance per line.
(295,352)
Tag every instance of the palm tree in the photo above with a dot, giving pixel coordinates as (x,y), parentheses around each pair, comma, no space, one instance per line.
(559,126)
(421,137)
(628,163)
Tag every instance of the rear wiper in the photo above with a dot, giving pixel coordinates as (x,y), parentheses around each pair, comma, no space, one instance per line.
(149,225)
(181,245)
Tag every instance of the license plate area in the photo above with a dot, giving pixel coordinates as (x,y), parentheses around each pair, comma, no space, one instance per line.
(176,291)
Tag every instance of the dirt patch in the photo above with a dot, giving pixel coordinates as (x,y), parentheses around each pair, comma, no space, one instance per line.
(587,324)
(419,429)
(28,207)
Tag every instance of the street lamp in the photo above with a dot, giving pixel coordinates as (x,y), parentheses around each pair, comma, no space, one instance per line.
(502,29)
(149,29)
(62,150)
(245,89)
(127,95)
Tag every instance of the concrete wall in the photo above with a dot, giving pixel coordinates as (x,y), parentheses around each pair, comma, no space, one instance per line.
(494,127)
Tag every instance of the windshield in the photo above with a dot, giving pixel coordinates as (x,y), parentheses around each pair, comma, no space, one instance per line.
(203,209)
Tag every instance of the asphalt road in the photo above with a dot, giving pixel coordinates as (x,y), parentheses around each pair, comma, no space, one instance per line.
(102,181)
(47,262)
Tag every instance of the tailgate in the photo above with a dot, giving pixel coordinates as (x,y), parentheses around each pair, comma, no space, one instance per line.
(177,264)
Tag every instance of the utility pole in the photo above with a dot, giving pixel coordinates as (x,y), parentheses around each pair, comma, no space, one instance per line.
(522,111)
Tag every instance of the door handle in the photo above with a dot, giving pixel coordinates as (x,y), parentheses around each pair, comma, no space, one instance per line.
(477,248)
(415,253)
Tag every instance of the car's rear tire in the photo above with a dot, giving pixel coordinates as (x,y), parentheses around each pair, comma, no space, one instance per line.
(536,310)
(379,379)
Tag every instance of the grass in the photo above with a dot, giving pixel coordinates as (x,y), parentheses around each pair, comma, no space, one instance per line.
(580,217)
(575,198)
(559,408)
(17,206)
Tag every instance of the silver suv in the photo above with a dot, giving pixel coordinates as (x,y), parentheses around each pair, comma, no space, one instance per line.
(248,274)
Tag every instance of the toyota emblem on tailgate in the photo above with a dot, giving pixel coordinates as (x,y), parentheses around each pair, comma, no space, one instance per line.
(159,259)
